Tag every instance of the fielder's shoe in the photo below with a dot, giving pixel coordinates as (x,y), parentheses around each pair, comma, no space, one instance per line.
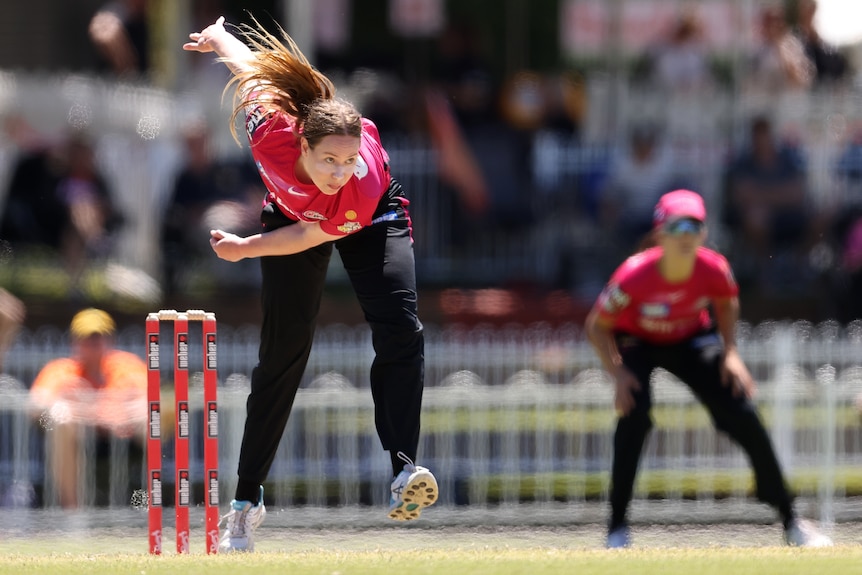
(801,533)
(240,523)
(412,490)
(619,538)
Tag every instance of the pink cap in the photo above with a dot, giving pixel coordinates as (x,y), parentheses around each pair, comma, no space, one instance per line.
(679,204)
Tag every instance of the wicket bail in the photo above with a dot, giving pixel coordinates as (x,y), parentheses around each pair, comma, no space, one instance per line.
(182,481)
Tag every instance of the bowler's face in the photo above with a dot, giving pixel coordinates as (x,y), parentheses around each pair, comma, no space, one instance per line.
(331,162)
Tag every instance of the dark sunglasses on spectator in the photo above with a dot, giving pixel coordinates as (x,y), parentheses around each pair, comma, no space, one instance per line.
(683,226)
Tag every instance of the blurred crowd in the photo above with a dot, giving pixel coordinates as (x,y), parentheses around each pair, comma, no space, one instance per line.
(489,131)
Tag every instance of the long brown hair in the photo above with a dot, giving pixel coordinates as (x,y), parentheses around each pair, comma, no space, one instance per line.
(292,84)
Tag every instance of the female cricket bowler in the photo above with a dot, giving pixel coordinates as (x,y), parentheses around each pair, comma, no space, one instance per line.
(675,306)
(328,181)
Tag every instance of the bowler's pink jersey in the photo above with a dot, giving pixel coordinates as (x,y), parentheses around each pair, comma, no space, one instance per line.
(276,149)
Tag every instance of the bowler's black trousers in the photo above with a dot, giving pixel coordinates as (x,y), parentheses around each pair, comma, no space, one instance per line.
(696,362)
(379,262)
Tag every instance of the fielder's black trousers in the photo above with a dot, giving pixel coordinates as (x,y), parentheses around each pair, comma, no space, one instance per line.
(379,262)
(696,362)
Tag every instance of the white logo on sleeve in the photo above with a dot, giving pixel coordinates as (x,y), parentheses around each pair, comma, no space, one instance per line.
(361,168)
(614,299)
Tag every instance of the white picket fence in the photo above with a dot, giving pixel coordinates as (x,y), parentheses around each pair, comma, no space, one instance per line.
(517,422)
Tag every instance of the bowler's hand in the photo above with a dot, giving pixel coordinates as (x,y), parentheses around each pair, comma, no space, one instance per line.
(227,246)
(202,41)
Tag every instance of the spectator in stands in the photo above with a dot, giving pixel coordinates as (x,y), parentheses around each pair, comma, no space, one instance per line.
(120,32)
(58,199)
(846,228)
(780,62)
(655,313)
(32,215)
(639,173)
(829,64)
(206,77)
(97,387)
(681,61)
(851,263)
(849,166)
(767,206)
(457,163)
(483,158)
(460,100)
(207,194)
(12,313)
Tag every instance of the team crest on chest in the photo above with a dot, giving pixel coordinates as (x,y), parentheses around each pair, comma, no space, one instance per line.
(613,299)
(349,226)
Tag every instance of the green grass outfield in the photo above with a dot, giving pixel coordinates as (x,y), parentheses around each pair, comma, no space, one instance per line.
(658,550)
(839,560)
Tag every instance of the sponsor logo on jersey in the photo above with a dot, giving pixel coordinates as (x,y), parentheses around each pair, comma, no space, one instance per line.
(387,217)
(312,215)
(255,118)
(349,227)
(360,170)
(656,325)
(655,310)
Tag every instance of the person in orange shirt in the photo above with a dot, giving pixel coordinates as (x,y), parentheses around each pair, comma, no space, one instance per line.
(97,387)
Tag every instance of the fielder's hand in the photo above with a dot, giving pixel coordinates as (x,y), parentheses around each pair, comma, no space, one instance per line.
(626,386)
(736,375)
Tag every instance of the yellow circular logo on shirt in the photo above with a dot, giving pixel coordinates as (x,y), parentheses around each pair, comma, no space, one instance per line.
(350,215)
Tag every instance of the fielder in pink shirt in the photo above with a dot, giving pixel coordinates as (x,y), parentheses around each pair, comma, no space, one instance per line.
(675,306)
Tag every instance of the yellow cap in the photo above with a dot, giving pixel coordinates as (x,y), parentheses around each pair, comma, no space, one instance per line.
(91,321)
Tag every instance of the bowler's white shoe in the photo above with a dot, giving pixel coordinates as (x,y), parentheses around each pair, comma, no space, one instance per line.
(412,490)
(240,523)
